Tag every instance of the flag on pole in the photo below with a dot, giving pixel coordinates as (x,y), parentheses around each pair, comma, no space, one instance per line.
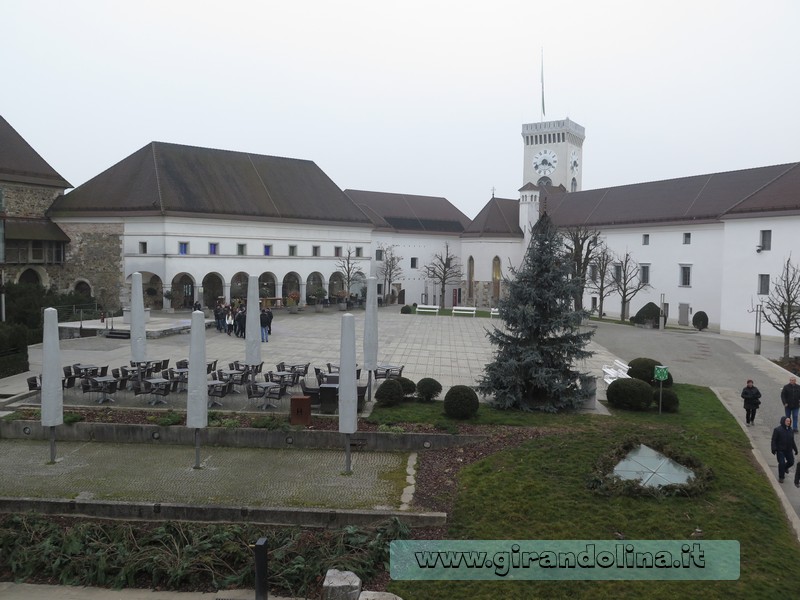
(543,111)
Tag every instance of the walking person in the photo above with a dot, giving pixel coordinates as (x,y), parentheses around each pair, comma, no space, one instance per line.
(783,447)
(229,321)
(264,322)
(751,397)
(790,396)
(269,320)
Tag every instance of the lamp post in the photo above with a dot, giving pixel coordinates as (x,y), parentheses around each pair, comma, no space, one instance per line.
(759,310)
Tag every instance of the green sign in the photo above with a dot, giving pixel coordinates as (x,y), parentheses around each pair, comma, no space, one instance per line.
(662,373)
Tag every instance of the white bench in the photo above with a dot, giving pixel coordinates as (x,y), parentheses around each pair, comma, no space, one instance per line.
(463,310)
(495,312)
(427,308)
(619,370)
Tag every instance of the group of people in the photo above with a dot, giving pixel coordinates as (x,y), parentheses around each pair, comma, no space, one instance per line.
(232,319)
(784,446)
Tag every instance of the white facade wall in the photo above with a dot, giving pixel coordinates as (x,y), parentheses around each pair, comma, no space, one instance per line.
(422,247)
(665,253)
(163,236)
(743,264)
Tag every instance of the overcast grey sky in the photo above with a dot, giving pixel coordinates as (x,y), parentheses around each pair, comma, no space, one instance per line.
(419,97)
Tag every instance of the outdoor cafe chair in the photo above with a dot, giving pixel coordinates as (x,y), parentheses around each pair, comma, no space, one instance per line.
(281,366)
(34,385)
(67,371)
(255,391)
(162,390)
(103,371)
(219,391)
(311,392)
(333,368)
(68,382)
(182,364)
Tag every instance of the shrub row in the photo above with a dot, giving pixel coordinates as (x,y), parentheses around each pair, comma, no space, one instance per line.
(460,402)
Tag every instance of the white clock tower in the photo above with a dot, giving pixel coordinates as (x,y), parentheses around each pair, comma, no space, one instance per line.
(553,154)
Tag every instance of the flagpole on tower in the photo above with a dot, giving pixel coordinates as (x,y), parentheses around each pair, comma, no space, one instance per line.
(542,73)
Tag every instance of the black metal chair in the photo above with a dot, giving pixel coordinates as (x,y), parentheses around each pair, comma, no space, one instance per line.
(68,382)
(311,392)
(34,385)
(255,392)
(219,391)
(67,371)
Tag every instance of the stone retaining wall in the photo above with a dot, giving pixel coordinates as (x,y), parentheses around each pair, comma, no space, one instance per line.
(235,438)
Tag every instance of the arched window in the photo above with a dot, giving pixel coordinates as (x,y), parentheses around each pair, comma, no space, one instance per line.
(470,278)
(574,185)
(496,276)
(544,181)
(30,276)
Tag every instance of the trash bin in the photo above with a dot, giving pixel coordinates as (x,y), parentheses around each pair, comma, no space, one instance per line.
(300,410)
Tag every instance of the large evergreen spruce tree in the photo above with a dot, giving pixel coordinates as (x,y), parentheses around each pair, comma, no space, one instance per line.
(534,366)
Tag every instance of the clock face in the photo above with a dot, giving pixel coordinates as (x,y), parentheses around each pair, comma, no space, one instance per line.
(545,161)
(573,161)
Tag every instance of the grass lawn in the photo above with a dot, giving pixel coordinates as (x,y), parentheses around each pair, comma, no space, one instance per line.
(538,491)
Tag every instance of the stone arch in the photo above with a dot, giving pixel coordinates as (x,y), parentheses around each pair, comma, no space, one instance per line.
(291,283)
(239,285)
(83,288)
(497,275)
(183,291)
(213,289)
(313,282)
(335,285)
(34,276)
(267,285)
(544,181)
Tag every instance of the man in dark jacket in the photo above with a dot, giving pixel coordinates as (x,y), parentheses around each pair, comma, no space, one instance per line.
(790,396)
(784,448)
(751,397)
(264,322)
(269,321)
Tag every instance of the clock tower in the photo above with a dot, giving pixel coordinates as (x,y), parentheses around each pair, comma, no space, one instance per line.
(553,154)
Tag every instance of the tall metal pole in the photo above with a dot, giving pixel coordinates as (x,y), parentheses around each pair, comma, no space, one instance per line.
(757,349)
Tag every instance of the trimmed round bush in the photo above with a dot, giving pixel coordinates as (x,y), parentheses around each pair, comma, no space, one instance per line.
(669,400)
(409,387)
(649,313)
(460,402)
(700,320)
(644,369)
(629,394)
(389,394)
(406,310)
(428,389)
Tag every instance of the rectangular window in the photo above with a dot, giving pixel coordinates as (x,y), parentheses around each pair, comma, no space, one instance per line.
(645,239)
(292,250)
(686,276)
(644,274)
(617,272)
(142,247)
(213,248)
(413,263)
(379,254)
(593,272)
(359,251)
(241,249)
(337,251)
(763,285)
(267,249)
(687,238)
(380,289)
(183,247)
(765,239)
(314,250)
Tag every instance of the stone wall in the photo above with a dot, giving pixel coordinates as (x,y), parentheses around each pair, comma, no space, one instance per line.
(482,293)
(94,254)
(27,200)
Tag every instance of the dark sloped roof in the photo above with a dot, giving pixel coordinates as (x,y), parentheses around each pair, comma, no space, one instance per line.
(499,218)
(697,198)
(405,212)
(171,179)
(34,229)
(20,163)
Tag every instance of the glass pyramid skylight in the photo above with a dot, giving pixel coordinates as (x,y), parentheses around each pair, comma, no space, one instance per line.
(652,468)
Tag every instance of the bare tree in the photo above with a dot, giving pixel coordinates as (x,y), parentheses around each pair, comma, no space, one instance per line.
(390,270)
(627,282)
(582,245)
(444,269)
(350,268)
(782,308)
(602,279)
